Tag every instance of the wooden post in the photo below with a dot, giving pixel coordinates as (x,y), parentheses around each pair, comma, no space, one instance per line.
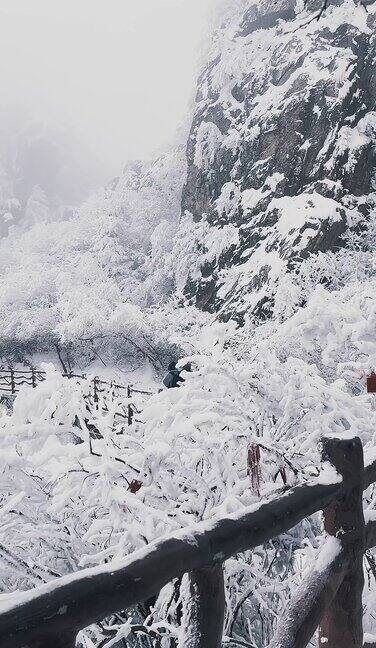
(129,408)
(95,381)
(33,381)
(203,609)
(342,623)
(12,383)
(130,414)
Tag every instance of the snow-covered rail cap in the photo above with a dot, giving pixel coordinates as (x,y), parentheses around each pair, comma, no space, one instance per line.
(328,474)
(327,553)
(68,604)
(340,436)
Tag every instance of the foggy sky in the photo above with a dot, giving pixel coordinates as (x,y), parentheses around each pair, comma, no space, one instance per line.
(121,72)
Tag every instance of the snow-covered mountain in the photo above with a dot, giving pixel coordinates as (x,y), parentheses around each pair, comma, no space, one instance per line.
(281,155)
(272,223)
(280,166)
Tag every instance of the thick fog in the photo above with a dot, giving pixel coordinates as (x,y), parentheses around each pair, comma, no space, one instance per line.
(95,83)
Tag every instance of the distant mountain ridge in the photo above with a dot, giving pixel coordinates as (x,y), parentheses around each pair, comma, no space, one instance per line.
(45,171)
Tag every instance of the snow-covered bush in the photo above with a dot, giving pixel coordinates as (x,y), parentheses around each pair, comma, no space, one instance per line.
(352,265)
(277,386)
(190,458)
(64,282)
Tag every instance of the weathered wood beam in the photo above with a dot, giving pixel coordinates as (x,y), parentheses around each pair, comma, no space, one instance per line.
(305,610)
(203,609)
(315,594)
(342,622)
(77,600)
(370,539)
(67,640)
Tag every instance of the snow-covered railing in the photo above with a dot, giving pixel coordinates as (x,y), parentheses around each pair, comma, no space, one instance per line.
(12,379)
(331,597)
(101,391)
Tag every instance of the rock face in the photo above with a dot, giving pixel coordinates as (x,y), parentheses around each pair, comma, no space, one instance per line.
(281,155)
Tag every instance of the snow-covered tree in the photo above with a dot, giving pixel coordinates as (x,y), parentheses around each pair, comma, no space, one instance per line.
(66,282)
(37,208)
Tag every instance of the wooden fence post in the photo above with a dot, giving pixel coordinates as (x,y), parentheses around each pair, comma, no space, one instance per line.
(130,414)
(129,408)
(95,389)
(33,380)
(12,383)
(203,609)
(342,623)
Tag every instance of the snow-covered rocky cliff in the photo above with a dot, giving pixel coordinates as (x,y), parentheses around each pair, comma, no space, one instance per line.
(281,155)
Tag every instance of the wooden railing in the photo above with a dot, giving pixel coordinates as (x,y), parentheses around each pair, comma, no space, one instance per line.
(330,598)
(100,394)
(12,379)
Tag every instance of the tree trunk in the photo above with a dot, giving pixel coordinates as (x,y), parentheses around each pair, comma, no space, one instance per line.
(342,623)
(203,609)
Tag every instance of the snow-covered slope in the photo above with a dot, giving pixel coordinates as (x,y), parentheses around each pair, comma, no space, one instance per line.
(82,278)
(281,156)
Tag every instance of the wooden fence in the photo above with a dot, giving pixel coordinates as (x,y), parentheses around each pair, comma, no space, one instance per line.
(100,394)
(12,379)
(330,598)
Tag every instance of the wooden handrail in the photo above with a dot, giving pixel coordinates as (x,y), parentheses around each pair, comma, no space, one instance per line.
(91,594)
(11,380)
(31,374)
(82,598)
(77,600)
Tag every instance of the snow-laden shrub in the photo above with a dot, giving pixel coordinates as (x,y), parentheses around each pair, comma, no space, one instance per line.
(67,500)
(281,386)
(63,282)
(353,265)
